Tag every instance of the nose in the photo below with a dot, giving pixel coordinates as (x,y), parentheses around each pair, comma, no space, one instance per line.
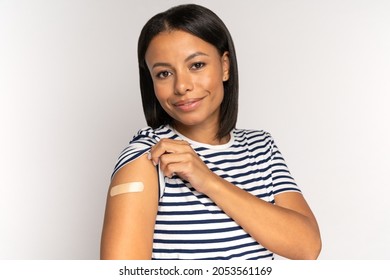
(183,83)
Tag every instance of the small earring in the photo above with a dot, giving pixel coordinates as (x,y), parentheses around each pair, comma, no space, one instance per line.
(225,78)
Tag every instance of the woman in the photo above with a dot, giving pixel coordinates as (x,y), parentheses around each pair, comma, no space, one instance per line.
(191,185)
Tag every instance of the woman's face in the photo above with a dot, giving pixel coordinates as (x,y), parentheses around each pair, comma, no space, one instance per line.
(188,75)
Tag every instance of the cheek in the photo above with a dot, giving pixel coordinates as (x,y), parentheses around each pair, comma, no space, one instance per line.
(212,83)
(161,91)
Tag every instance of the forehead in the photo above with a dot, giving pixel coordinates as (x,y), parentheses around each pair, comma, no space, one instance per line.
(177,44)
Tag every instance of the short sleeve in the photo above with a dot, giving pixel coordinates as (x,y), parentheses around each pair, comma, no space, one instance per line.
(281,177)
(141,143)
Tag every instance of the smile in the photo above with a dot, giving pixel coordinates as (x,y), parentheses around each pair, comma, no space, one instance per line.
(189,104)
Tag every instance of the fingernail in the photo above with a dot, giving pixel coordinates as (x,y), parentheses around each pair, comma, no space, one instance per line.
(149,156)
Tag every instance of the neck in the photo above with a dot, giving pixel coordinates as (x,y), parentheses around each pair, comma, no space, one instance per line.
(203,134)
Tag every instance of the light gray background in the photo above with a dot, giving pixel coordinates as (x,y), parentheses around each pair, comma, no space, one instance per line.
(316,74)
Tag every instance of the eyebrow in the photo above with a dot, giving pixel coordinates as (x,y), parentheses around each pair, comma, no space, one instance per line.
(165,64)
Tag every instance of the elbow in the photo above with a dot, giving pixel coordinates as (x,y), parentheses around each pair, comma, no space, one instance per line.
(313,250)
(313,244)
(318,249)
(308,248)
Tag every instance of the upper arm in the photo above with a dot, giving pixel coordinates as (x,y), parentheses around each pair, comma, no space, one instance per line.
(130,217)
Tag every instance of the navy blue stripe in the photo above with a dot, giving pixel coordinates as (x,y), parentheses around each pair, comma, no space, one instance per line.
(193,222)
(254,154)
(200,149)
(279,164)
(251,133)
(226,177)
(198,231)
(252,146)
(286,189)
(228,258)
(165,133)
(184,213)
(208,250)
(180,203)
(132,155)
(240,255)
(168,194)
(249,181)
(238,167)
(283,177)
(239,152)
(281,171)
(200,241)
(119,165)
(141,139)
(270,255)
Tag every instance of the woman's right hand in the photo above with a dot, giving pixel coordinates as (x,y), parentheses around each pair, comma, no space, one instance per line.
(178,157)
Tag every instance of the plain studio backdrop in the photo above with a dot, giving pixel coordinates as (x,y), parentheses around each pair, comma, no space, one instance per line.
(315,74)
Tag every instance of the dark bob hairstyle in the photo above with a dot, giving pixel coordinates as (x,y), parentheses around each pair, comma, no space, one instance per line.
(206,25)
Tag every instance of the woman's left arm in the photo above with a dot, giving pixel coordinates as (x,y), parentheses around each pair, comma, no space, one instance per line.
(287,228)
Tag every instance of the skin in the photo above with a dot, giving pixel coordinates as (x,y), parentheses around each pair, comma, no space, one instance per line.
(186,69)
(188,75)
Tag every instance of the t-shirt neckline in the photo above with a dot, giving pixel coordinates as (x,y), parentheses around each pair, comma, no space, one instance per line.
(204,145)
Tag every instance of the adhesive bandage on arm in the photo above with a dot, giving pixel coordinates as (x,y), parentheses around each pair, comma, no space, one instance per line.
(127,188)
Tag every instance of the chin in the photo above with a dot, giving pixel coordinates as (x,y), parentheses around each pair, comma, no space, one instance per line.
(188,122)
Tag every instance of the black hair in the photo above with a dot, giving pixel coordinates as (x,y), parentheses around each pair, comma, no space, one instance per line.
(206,25)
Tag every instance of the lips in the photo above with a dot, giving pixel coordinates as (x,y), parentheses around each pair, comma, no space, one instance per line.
(188,104)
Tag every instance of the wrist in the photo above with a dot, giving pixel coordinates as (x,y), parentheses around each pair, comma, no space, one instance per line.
(213,186)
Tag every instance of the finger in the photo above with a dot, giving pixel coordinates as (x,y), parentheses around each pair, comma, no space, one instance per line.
(177,168)
(181,164)
(167,146)
(167,160)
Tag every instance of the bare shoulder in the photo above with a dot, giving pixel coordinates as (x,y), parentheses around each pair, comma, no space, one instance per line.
(130,216)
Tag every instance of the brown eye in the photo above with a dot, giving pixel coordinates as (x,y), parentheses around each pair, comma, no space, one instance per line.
(198,65)
(163,74)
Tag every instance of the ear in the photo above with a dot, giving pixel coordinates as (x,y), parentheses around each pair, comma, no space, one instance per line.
(225,66)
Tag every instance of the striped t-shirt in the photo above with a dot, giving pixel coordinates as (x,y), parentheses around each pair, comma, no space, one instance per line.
(191,226)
